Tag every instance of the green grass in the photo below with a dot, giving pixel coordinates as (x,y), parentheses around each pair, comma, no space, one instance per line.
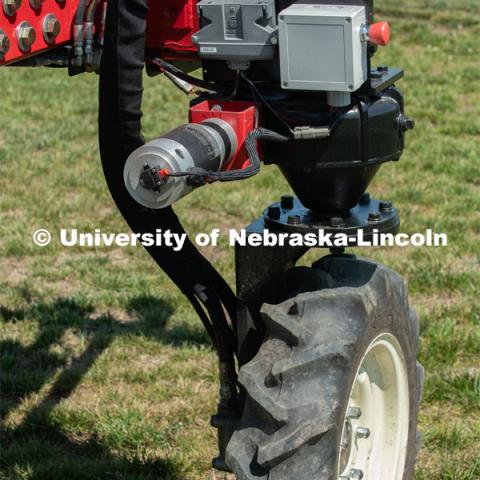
(106,372)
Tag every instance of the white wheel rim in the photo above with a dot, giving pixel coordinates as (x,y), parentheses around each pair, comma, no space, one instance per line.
(380,399)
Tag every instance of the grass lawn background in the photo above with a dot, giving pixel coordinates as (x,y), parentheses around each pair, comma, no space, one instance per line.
(105,370)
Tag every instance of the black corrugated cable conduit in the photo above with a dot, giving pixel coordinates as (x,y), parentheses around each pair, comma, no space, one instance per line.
(119,135)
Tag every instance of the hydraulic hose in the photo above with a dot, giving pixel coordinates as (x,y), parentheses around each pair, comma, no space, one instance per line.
(78,32)
(120,134)
(89,26)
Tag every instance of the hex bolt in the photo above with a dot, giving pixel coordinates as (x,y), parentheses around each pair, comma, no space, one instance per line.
(408,123)
(10,7)
(36,4)
(382,68)
(405,123)
(25,36)
(354,412)
(4,43)
(51,28)
(385,207)
(356,474)
(286,202)
(273,212)
(365,199)
(362,432)
(374,216)
(293,219)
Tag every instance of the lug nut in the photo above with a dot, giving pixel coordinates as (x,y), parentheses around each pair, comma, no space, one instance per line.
(362,432)
(36,4)
(25,36)
(51,28)
(10,7)
(374,216)
(354,412)
(356,474)
(286,202)
(4,43)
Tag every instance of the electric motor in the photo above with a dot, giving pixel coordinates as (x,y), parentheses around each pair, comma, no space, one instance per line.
(156,174)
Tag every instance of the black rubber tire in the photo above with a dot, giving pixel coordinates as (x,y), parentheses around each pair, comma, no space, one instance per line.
(297,386)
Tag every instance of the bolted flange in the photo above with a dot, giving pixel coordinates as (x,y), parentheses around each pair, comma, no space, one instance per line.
(26,36)
(4,43)
(10,7)
(51,28)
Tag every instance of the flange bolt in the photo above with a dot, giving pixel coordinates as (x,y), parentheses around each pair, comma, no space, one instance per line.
(286,202)
(4,43)
(374,216)
(274,212)
(10,7)
(385,207)
(365,199)
(25,36)
(51,28)
(336,221)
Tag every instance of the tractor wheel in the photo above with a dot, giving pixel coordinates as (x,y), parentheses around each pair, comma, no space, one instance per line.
(334,390)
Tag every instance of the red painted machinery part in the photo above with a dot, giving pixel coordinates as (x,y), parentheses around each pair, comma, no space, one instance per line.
(170,25)
(242,116)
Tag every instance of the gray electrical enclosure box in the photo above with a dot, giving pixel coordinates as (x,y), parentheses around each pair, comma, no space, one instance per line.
(322,47)
(241,30)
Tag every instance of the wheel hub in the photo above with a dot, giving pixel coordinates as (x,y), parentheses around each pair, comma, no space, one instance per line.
(375,430)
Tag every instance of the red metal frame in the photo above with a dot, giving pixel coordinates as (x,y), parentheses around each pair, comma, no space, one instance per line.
(170,25)
(64,11)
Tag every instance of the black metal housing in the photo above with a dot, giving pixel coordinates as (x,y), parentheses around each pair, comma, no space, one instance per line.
(330,174)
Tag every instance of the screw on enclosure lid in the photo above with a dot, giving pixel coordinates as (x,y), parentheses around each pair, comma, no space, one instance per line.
(379,33)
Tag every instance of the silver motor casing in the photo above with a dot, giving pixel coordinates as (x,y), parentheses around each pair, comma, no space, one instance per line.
(208,145)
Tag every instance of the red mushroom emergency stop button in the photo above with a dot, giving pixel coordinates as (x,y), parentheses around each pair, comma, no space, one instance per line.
(379,33)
